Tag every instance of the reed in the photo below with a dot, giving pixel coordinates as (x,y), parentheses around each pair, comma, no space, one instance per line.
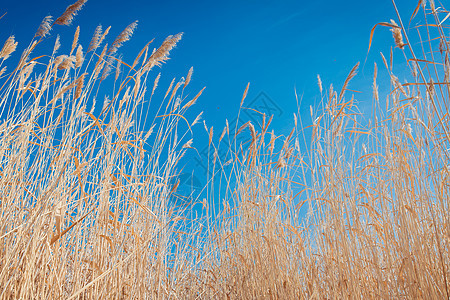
(85,184)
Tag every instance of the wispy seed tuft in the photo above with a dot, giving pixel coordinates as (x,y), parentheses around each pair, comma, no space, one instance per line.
(397,34)
(8,48)
(71,11)
(45,27)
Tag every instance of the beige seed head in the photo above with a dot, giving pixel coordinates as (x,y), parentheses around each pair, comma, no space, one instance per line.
(188,144)
(319,82)
(79,58)
(397,34)
(95,38)
(75,39)
(71,11)
(162,54)
(2,71)
(188,77)
(124,36)
(8,48)
(57,44)
(79,86)
(197,119)
(155,84)
(45,27)
(67,62)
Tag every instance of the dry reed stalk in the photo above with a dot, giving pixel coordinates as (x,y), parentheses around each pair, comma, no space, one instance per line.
(86,207)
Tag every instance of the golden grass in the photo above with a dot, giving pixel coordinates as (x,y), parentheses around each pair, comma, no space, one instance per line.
(84,194)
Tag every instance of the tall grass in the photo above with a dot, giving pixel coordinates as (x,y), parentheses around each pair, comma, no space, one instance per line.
(85,187)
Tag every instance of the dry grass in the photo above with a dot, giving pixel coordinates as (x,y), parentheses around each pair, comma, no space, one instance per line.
(84,192)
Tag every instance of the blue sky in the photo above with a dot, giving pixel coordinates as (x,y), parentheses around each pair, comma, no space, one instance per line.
(276,45)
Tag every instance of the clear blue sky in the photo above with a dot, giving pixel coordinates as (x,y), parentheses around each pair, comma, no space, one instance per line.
(276,45)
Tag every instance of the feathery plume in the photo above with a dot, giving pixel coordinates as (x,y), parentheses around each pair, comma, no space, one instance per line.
(375,86)
(79,86)
(245,93)
(118,67)
(107,69)
(223,133)
(162,54)
(71,11)
(155,85)
(272,142)
(45,27)
(124,36)
(67,62)
(431,91)
(95,39)
(75,39)
(397,34)
(58,60)
(188,144)
(395,82)
(79,58)
(2,71)
(8,48)
(188,77)
(432,5)
(350,76)
(210,135)
(319,82)
(98,38)
(192,102)
(102,38)
(281,163)
(197,119)
(57,45)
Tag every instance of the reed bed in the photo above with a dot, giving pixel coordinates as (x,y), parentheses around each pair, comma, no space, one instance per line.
(85,185)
